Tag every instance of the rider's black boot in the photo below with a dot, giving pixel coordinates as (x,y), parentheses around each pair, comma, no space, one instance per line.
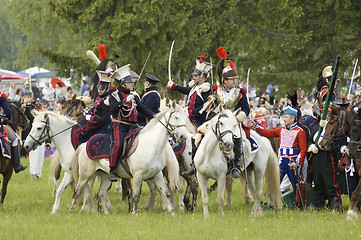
(236,170)
(191,171)
(15,155)
(113,177)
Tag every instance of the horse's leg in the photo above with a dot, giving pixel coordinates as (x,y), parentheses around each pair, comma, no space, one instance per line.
(6,178)
(181,193)
(257,207)
(56,180)
(118,187)
(67,179)
(103,192)
(137,186)
(187,195)
(202,180)
(352,209)
(158,180)
(194,189)
(229,184)
(82,185)
(150,203)
(220,196)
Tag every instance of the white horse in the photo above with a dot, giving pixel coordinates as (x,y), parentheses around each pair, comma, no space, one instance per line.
(58,128)
(211,162)
(147,161)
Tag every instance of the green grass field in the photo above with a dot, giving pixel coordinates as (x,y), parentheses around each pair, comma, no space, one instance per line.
(26,215)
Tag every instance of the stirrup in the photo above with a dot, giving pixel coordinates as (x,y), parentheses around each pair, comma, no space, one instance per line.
(113,177)
(190,172)
(20,168)
(236,173)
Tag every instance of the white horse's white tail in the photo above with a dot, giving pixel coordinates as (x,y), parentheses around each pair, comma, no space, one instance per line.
(173,169)
(272,176)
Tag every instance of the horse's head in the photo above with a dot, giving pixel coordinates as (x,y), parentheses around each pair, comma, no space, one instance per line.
(225,129)
(73,109)
(354,145)
(39,131)
(175,119)
(334,129)
(19,118)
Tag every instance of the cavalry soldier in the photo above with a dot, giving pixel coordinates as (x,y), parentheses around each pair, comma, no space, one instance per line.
(7,131)
(150,99)
(124,104)
(97,119)
(324,167)
(324,79)
(198,92)
(292,144)
(230,96)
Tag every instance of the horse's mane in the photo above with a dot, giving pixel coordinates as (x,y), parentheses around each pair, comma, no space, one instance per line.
(64,119)
(154,120)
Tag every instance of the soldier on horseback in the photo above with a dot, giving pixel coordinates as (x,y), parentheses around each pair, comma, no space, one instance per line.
(97,119)
(229,96)
(198,92)
(124,104)
(150,99)
(7,131)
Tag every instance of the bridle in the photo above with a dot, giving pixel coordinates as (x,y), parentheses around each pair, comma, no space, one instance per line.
(45,133)
(341,129)
(171,127)
(217,132)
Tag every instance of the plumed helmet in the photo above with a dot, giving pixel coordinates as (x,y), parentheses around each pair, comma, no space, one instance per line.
(225,67)
(327,72)
(202,67)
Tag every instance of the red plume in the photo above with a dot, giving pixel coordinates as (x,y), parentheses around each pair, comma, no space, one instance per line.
(102,52)
(202,57)
(221,52)
(231,64)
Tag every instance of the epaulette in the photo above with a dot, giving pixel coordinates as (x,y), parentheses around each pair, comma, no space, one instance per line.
(244,90)
(116,96)
(106,101)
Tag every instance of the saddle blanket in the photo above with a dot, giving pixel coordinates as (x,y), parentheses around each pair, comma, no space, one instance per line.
(177,147)
(98,146)
(254,145)
(4,148)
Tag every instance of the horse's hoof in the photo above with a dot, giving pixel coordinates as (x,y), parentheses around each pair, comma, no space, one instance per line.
(351,215)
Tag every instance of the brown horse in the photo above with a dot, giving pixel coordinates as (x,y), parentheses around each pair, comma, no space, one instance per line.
(73,108)
(6,169)
(354,150)
(341,123)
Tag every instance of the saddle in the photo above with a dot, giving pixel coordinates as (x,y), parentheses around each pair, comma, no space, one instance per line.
(130,144)
(4,143)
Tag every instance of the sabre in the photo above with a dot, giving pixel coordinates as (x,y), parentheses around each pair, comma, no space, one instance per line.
(353,74)
(169,62)
(298,189)
(211,71)
(141,72)
(249,70)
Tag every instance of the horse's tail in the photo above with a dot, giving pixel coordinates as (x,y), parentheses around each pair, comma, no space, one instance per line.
(55,166)
(272,175)
(173,168)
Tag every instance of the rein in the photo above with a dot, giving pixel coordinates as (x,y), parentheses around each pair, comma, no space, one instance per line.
(170,127)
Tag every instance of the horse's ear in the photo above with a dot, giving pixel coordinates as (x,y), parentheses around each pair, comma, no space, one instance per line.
(235,113)
(174,104)
(46,116)
(221,108)
(83,104)
(35,113)
(167,100)
(73,98)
